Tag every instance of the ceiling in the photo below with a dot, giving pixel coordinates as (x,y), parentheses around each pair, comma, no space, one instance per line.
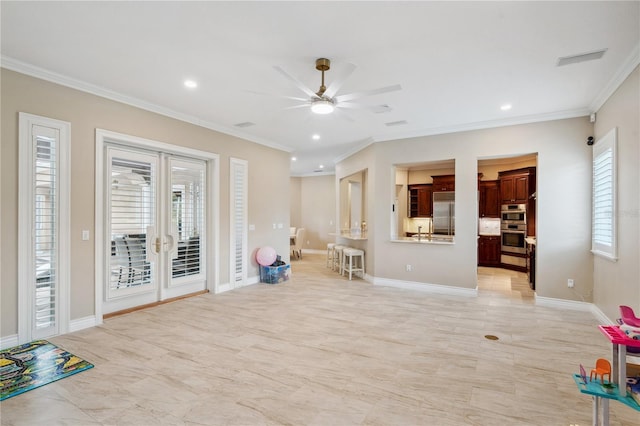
(457,63)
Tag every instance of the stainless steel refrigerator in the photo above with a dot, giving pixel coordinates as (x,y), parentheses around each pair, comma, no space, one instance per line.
(444,218)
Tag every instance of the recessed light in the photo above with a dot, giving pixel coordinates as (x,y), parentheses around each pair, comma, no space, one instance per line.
(191,84)
(505,107)
(321,166)
(315,137)
(293,158)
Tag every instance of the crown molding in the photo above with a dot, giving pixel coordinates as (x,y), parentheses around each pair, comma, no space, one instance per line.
(490,124)
(618,78)
(53,77)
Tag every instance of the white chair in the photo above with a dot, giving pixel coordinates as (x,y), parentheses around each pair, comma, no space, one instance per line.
(330,247)
(353,261)
(296,247)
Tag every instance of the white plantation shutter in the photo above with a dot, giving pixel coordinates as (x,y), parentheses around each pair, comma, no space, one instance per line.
(43,227)
(603,238)
(132,209)
(46,231)
(239,215)
(187,215)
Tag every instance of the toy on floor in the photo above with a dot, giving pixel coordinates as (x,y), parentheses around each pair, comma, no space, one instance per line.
(603,368)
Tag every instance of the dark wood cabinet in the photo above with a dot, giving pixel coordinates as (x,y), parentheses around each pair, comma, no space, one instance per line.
(489,199)
(517,186)
(489,250)
(514,189)
(444,183)
(420,200)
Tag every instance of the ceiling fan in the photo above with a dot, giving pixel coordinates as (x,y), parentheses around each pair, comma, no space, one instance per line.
(325,101)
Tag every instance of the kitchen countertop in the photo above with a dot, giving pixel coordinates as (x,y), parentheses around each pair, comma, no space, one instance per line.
(436,239)
(530,240)
(350,236)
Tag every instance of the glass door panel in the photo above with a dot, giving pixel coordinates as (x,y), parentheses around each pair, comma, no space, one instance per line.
(131,219)
(187,195)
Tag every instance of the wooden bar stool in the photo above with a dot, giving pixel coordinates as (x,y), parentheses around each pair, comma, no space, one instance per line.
(353,261)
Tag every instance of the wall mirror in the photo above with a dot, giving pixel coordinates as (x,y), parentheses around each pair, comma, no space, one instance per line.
(424,201)
(353,203)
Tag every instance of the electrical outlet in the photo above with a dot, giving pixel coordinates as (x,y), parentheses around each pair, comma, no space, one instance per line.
(409,268)
(570,283)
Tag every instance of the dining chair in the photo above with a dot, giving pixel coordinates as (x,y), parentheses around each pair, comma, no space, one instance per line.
(298,243)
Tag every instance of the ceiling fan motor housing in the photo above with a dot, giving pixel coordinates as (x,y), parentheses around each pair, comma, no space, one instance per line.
(323,64)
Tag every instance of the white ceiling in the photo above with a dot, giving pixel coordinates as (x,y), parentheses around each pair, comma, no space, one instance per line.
(457,62)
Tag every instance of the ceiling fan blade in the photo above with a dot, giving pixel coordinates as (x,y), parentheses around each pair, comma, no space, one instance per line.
(278,96)
(344,116)
(337,83)
(357,95)
(373,108)
(297,82)
(297,106)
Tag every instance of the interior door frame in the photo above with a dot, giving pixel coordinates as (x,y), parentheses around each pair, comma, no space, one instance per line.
(212,160)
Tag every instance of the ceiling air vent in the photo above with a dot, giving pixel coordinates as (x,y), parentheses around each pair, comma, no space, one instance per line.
(245,124)
(379,109)
(396,123)
(582,57)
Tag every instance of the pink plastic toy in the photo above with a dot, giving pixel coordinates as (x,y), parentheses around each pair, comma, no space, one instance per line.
(629,317)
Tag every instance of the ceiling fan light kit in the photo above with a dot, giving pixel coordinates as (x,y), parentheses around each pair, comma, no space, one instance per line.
(322,106)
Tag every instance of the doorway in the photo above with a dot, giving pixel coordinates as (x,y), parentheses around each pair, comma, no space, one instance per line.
(154,224)
(507,201)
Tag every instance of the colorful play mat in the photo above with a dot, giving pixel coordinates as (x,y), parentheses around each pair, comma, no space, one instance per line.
(35,364)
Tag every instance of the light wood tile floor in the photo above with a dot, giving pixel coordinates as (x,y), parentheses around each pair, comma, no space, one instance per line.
(322,350)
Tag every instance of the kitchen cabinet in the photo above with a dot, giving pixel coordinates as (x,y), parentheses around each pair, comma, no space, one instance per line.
(489,250)
(420,200)
(531,264)
(519,187)
(489,199)
(444,183)
(514,189)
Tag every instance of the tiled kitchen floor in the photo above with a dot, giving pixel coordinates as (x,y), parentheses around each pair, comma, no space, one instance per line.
(322,350)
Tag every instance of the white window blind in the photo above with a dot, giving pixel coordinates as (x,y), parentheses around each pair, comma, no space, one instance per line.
(46,231)
(603,237)
(132,207)
(238,220)
(187,215)
(43,227)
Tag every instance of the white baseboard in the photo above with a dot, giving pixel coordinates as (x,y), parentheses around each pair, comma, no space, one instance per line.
(426,287)
(563,303)
(82,323)
(8,341)
(228,287)
(576,306)
(602,318)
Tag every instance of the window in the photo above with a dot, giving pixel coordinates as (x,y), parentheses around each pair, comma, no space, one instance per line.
(603,236)
(239,218)
(43,227)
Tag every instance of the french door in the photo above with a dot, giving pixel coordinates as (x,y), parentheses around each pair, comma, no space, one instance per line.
(154,225)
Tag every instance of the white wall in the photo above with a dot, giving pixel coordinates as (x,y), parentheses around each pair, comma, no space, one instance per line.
(314,208)
(618,283)
(268,180)
(564,203)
